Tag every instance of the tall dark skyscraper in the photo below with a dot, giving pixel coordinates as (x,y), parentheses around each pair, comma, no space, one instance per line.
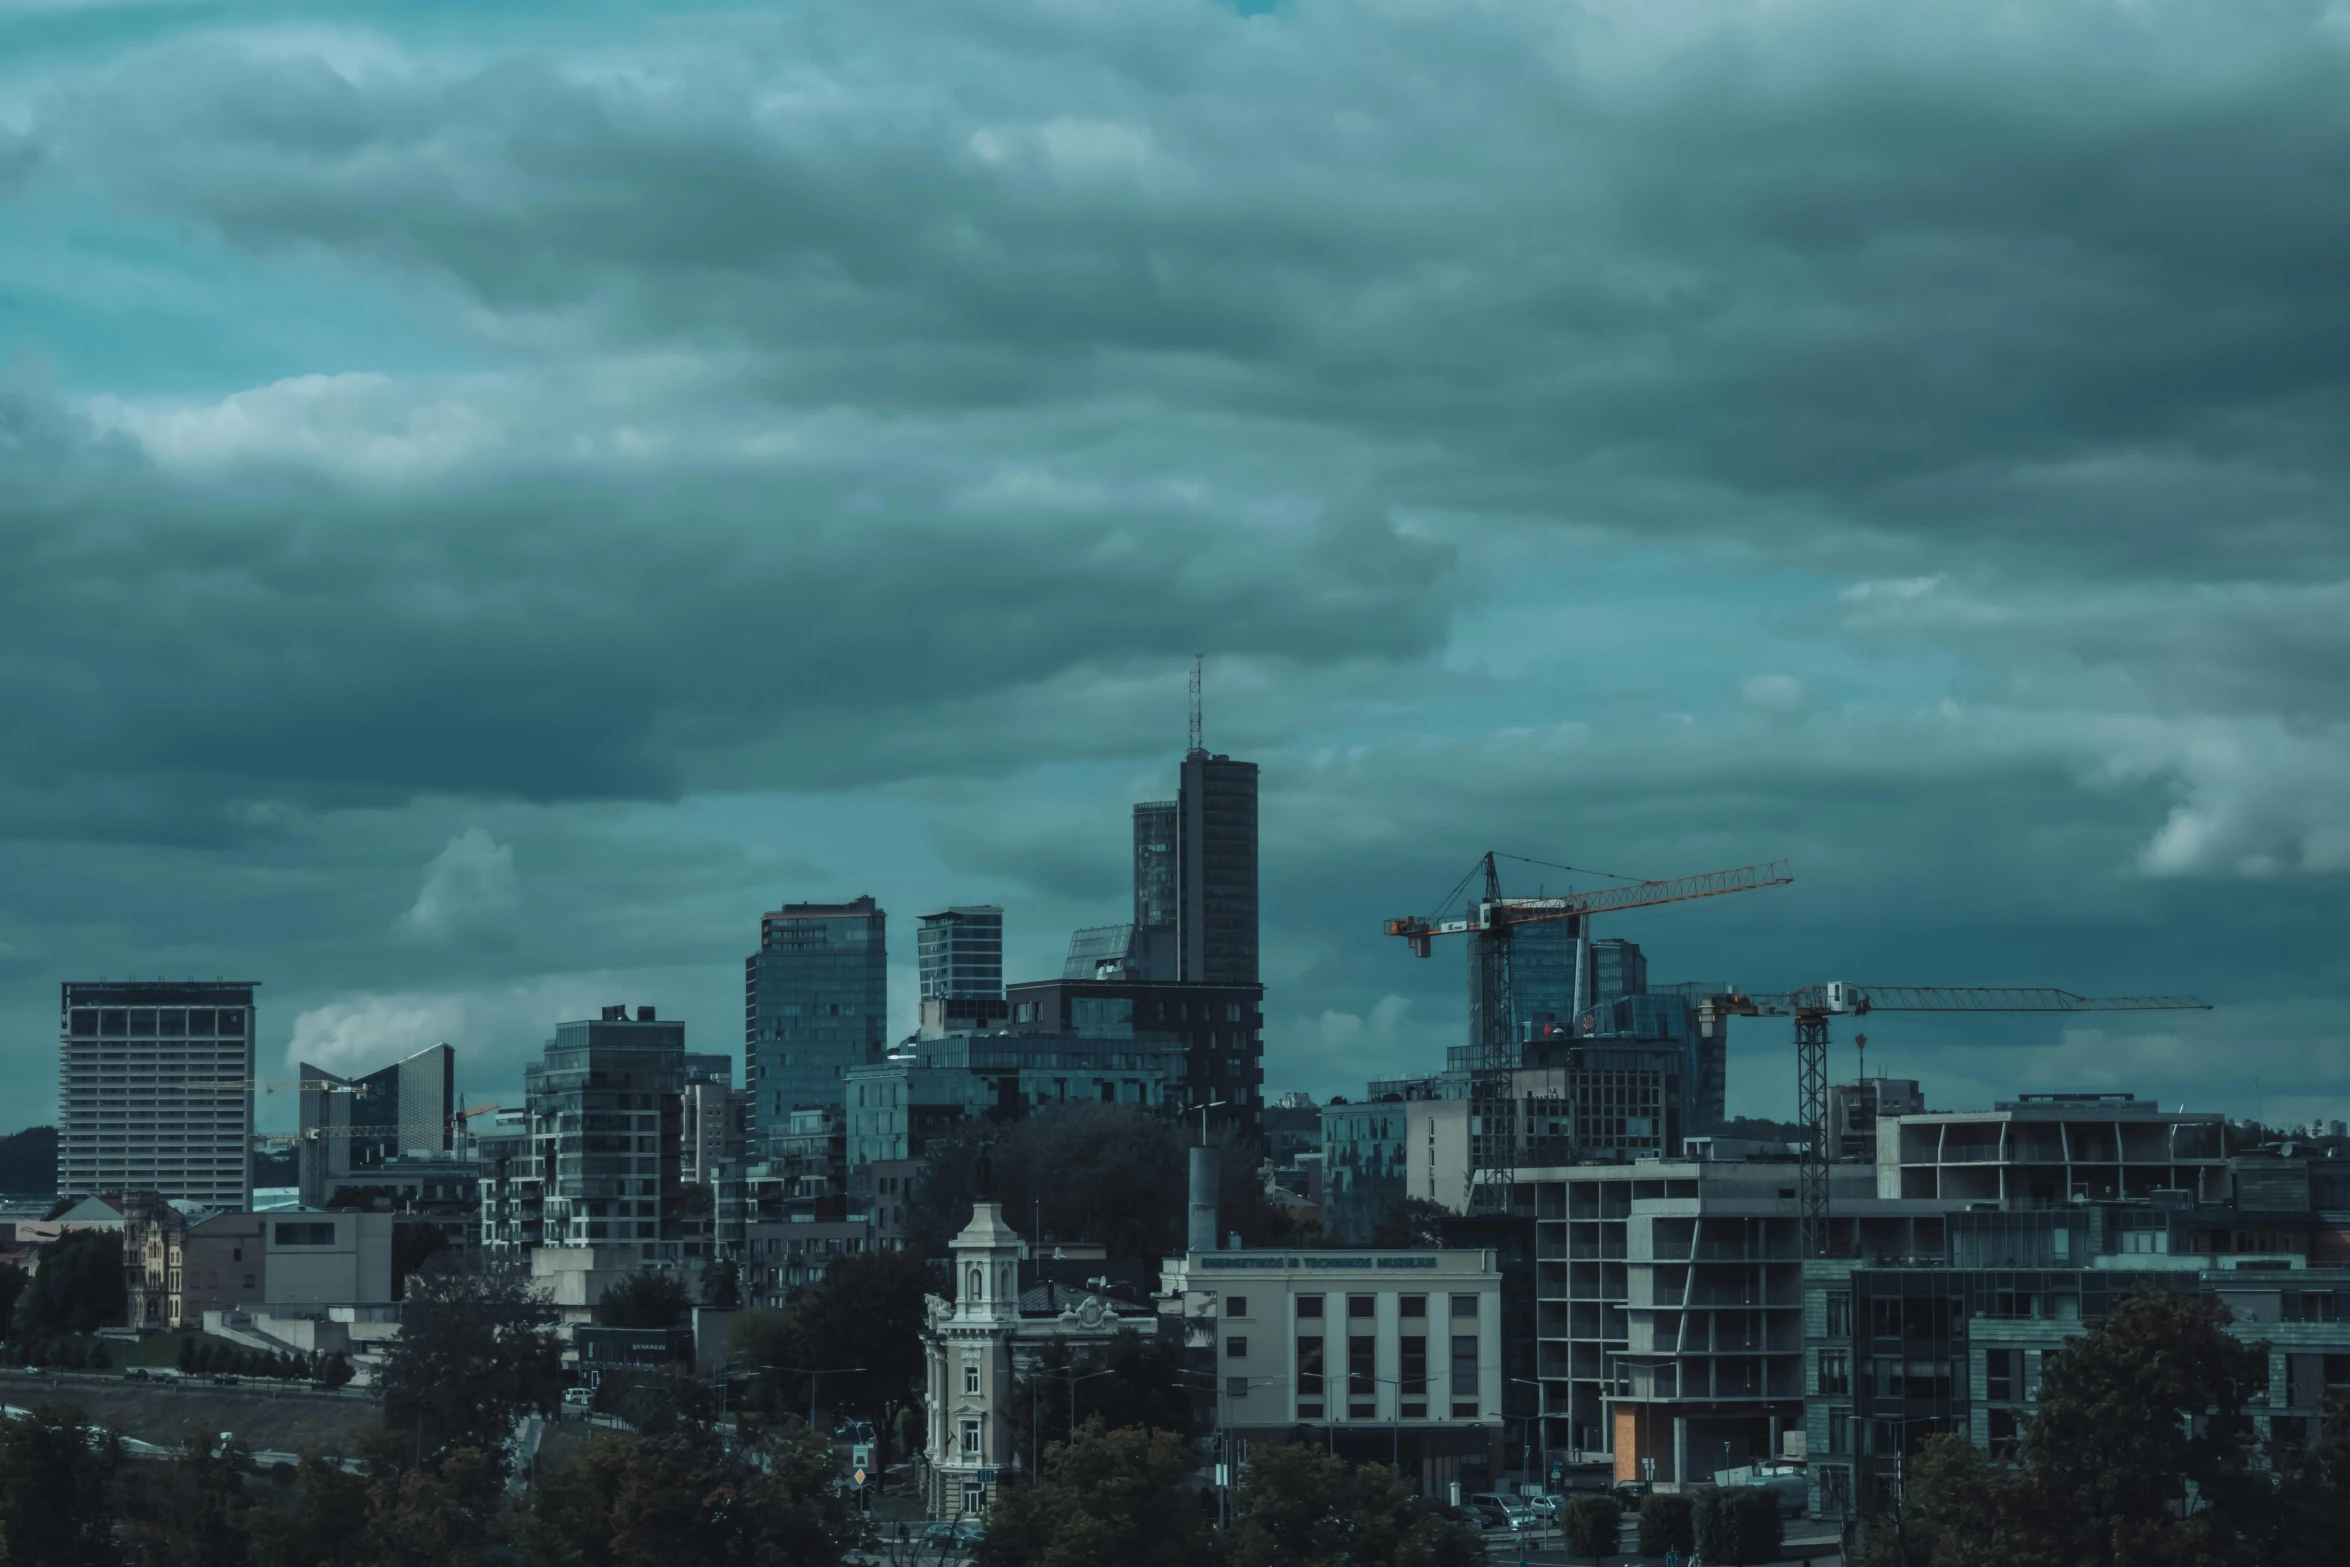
(815,1003)
(1216,871)
(155,1090)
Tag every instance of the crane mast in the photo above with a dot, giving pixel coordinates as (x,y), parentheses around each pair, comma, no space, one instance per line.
(1495,1049)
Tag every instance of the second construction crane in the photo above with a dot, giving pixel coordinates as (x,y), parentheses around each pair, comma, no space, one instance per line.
(1812,1006)
(1491,922)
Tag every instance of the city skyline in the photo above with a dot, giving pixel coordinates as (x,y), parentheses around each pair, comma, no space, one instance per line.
(1649,439)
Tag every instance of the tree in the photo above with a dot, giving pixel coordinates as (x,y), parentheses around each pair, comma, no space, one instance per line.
(1130,1381)
(76,1289)
(2141,1450)
(55,1477)
(867,1311)
(413,1245)
(1667,1523)
(685,1500)
(1106,1496)
(12,1282)
(1955,1508)
(656,1400)
(1089,1171)
(190,1510)
(645,1299)
(324,1526)
(1738,1524)
(1594,1526)
(444,1514)
(1301,1507)
(1413,1224)
(476,1351)
(722,1286)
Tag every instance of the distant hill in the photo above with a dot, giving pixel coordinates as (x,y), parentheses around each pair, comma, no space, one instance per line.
(28,1161)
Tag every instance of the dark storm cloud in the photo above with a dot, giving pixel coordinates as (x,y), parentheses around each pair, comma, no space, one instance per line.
(559,634)
(2065,289)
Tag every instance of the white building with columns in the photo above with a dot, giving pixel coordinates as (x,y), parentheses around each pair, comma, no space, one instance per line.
(978,1344)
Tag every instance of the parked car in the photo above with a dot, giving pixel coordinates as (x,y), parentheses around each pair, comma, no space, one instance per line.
(136,1374)
(578,1397)
(1501,1512)
(224,1379)
(1631,1492)
(1544,1505)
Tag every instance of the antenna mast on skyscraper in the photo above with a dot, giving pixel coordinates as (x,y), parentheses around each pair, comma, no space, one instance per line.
(1197,660)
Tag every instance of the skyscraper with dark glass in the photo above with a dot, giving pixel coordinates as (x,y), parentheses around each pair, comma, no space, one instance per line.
(1158,880)
(960,952)
(1216,870)
(815,1003)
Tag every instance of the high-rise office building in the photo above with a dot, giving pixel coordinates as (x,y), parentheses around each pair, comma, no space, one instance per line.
(1542,981)
(960,952)
(1216,871)
(606,1119)
(1158,897)
(1617,969)
(351,1125)
(155,1090)
(815,1003)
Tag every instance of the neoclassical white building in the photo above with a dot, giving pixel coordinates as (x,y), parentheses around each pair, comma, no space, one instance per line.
(978,1343)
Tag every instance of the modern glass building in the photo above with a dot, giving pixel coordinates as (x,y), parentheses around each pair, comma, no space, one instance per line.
(1157,889)
(155,1090)
(351,1125)
(605,1119)
(961,952)
(815,1003)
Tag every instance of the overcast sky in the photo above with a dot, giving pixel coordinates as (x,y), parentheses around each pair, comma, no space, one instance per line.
(492,498)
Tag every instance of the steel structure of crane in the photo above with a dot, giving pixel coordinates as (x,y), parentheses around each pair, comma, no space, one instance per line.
(1812,1005)
(270,1085)
(1495,1050)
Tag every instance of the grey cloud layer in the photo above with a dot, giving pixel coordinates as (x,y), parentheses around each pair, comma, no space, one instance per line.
(2065,284)
(565,633)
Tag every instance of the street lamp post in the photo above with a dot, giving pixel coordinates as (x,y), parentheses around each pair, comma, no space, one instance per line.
(814,1376)
(1541,1426)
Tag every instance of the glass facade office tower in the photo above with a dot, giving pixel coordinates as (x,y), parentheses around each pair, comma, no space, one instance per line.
(606,1118)
(1618,968)
(155,1091)
(815,1003)
(359,1122)
(960,952)
(1157,890)
(1216,865)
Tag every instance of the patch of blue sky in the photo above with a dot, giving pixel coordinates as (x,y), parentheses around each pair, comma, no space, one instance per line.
(144,309)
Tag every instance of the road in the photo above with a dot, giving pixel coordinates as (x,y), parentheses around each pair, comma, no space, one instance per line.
(1805,1541)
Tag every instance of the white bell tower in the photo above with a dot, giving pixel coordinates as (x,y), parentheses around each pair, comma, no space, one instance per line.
(987,1267)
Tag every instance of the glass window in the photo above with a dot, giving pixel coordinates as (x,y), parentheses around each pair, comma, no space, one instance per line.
(1464,1376)
(1361,1308)
(1414,1306)
(1309,1374)
(1464,1306)
(1235,1348)
(970,1376)
(1309,1305)
(1236,1305)
(1362,1378)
